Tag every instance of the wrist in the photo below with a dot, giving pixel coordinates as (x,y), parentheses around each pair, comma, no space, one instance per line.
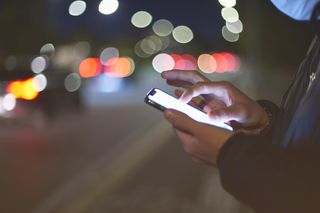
(270,110)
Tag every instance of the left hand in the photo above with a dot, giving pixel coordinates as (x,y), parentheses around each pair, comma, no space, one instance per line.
(201,141)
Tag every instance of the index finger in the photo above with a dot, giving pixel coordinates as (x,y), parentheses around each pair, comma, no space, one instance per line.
(183,75)
(219,90)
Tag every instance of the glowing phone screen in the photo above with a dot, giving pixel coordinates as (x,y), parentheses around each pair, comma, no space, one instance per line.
(170,102)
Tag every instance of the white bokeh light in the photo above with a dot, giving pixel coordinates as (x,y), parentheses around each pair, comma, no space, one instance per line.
(38,64)
(141,19)
(40,82)
(229,36)
(230,14)
(163,62)
(182,34)
(162,27)
(207,63)
(47,49)
(77,8)
(228,3)
(72,82)
(151,45)
(107,54)
(108,7)
(235,27)
(9,102)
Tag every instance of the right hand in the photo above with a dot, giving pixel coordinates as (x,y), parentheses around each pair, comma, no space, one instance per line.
(222,101)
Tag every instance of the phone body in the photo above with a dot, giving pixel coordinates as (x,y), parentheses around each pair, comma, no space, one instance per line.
(162,101)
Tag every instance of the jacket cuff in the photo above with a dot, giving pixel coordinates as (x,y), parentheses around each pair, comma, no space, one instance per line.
(272,110)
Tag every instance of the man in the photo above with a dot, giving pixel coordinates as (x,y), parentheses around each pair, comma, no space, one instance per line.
(272,161)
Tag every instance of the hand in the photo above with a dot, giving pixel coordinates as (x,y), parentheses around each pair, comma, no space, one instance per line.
(223,102)
(202,142)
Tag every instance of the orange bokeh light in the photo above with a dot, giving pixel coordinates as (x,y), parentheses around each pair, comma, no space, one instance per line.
(90,67)
(23,89)
(29,90)
(120,68)
(207,63)
(222,63)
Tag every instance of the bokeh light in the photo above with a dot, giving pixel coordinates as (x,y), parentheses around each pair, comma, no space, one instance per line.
(23,89)
(77,8)
(229,36)
(190,62)
(120,67)
(29,90)
(162,27)
(231,62)
(72,82)
(47,49)
(141,19)
(90,67)
(38,64)
(15,88)
(108,7)
(82,50)
(222,63)
(235,27)
(184,62)
(40,82)
(163,62)
(151,45)
(182,34)
(9,102)
(230,14)
(107,84)
(107,54)
(207,63)
(139,51)
(228,3)
(179,63)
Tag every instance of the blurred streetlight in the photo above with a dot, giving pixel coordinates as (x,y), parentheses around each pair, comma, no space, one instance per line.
(182,34)
(77,8)
(162,27)
(108,7)
(141,19)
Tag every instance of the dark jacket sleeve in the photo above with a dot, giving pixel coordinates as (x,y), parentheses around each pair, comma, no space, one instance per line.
(269,178)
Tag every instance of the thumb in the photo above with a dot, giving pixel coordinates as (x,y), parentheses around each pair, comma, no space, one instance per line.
(180,120)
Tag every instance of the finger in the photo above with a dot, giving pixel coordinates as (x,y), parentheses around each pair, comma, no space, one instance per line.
(183,75)
(213,105)
(180,121)
(197,102)
(178,83)
(226,114)
(219,90)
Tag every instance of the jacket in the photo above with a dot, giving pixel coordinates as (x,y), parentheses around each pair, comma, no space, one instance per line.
(279,171)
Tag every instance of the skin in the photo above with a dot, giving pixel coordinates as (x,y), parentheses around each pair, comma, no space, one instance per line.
(222,102)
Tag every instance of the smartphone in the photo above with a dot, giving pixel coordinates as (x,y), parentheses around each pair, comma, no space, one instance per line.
(162,101)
